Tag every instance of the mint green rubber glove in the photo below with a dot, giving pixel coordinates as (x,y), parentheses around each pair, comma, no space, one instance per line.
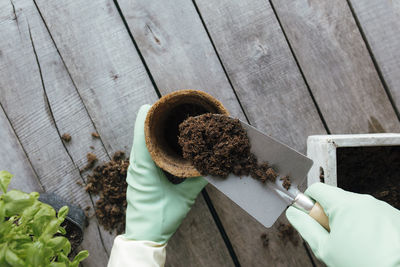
(156,207)
(364,231)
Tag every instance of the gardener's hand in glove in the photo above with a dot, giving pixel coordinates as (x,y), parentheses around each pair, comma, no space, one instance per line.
(156,207)
(364,231)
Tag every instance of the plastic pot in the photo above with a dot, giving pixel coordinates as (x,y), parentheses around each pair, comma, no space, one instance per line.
(75,218)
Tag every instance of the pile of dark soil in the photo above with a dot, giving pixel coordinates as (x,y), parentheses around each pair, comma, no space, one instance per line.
(371,170)
(218,145)
(108,180)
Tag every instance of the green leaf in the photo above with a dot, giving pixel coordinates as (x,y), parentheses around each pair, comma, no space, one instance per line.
(13,259)
(79,257)
(63,258)
(5,178)
(62,213)
(29,213)
(57,243)
(16,201)
(42,218)
(57,264)
(3,248)
(61,230)
(33,255)
(2,210)
(67,248)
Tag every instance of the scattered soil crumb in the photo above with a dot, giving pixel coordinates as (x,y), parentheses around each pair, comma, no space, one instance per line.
(79,183)
(66,137)
(86,211)
(119,155)
(108,180)
(91,147)
(265,239)
(263,172)
(91,159)
(95,135)
(218,145)
(286,182)
(288,233)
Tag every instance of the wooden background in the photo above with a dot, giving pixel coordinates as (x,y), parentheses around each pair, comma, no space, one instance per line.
(290,68)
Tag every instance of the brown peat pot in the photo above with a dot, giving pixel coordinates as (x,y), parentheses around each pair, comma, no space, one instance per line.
(161,128)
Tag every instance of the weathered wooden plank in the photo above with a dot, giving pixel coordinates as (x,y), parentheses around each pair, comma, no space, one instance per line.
(24,98)
(176,48)
(263,72)
(14,160)
(182,50)
(337,66)
(113,83)
(380,23)
(66,107)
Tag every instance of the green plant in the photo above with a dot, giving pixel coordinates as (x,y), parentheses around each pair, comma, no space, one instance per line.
(31,231)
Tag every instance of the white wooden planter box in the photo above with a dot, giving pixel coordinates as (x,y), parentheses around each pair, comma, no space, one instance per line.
(322,150)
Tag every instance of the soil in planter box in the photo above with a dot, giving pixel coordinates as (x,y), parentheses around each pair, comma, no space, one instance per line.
(108,180)
(371,170)
(218,145)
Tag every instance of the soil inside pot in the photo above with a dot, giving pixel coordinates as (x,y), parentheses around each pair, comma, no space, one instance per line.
(371,170)
(178,115)
(74,234)
(218,145)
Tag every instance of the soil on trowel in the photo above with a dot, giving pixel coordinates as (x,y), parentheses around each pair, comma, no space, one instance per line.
(218,145)
(371,170)
(108,180)
(286,182)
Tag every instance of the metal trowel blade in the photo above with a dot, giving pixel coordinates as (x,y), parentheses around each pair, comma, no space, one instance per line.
(265,201)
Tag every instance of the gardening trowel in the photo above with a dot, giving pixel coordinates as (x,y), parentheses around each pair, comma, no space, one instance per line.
(266,201)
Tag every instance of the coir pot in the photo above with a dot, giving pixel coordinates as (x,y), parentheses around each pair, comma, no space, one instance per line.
(162,128)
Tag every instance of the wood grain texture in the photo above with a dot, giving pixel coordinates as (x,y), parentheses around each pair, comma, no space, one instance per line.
(262,69)
(177,50)
(380,23)
(24,99)
(113,84)
(13,159)
(337,66)
(265,76)
(184,53)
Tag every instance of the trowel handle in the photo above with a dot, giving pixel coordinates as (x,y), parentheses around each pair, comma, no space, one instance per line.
(313,209)
(318,214)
